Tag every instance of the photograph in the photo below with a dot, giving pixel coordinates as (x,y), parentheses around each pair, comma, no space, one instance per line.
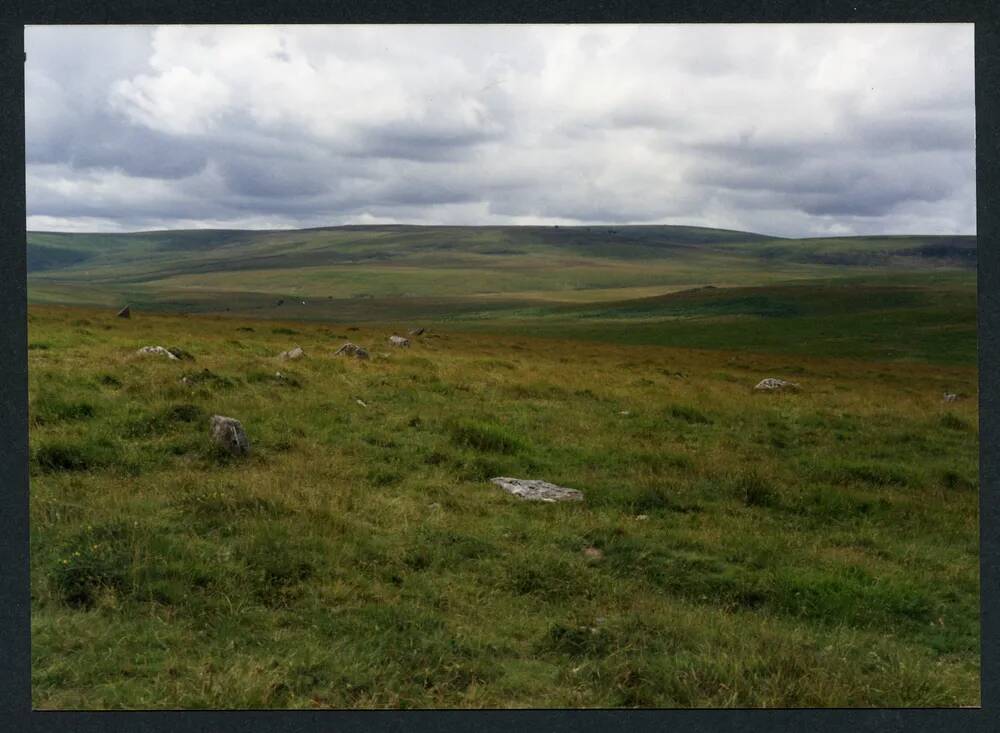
(561,366)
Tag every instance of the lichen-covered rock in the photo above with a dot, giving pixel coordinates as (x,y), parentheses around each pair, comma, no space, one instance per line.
(350,349)
(292,354)
(536,490)
(772,384)
(228,434)
(399,341)
(156,350)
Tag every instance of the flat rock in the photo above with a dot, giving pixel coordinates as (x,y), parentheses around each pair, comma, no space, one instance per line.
(772,384)
(399,341)
(228,434)
(156,350)
(536,490)
(350,349)
(125,312)
(292,354)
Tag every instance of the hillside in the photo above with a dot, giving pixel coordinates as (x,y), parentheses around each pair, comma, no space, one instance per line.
(390,261)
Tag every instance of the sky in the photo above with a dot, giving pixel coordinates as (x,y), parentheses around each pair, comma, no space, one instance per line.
(789,130)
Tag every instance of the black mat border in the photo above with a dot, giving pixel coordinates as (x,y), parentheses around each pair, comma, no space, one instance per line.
(15,705)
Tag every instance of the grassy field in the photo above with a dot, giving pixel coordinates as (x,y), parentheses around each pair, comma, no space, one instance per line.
(809,549)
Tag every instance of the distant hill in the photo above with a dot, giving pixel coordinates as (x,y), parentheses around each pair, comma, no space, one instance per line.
(447,269)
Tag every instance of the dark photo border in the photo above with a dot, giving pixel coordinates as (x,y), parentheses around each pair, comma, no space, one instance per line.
(15,619)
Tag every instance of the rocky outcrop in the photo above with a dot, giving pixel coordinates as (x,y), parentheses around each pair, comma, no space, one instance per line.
(536,490)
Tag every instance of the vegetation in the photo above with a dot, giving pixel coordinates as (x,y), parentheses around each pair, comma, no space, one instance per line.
(808,549)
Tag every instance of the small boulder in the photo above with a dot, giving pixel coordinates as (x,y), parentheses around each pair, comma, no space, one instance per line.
(535,490)
(950,397)
(417,332)
(399,341)
(158,350)
(772,384)
(292,354)
(350,349)
(125,312)
(180,353)
(228,434)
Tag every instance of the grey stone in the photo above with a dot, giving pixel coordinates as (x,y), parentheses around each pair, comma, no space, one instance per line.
(228,434)
(950,397)
(125,312)
(535,490)
(772,384)
(158,350)
(350,349)
(417,332)
(292,354)
(399,341)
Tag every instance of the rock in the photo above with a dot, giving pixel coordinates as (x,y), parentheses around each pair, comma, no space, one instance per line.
(641,517)
(229,435)
(950,397)
(180,353)
(417,332)
(156,350)
(771,384)
(399,341)
(125,312)
(361,402)
(535,490)
(292,354)
(350,349)
(593,554)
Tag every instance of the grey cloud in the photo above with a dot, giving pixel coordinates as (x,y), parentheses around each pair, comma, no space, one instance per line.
(494,132)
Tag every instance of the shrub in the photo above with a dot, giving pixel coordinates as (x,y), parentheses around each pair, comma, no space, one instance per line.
(94,560)
(51,409)
(688,414)
(484,436)
(754,490)
(954,422)
(63,456)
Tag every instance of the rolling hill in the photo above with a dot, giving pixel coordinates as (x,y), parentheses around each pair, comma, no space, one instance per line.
(672,285)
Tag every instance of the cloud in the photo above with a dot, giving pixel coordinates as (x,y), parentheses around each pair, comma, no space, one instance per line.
(792,130)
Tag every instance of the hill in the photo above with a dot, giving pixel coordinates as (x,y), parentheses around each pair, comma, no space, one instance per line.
(885,297)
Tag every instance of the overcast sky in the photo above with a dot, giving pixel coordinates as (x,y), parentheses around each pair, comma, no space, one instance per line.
(788,130)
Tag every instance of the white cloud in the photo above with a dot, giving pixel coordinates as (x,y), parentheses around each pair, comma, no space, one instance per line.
(783,129)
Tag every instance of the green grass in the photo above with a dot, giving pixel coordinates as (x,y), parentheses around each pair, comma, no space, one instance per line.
(809,549)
